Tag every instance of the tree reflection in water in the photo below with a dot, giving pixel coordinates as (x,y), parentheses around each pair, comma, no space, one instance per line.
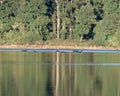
(58,74)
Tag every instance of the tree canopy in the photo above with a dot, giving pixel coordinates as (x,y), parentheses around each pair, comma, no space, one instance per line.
(30,21)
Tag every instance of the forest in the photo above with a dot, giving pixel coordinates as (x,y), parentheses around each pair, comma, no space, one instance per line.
(92,22)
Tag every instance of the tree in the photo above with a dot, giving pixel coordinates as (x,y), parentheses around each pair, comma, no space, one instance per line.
(33,16)
(7,16)
(66,19)
(107,27)
(98,8)
(84,18)
(58,18)
(110,6)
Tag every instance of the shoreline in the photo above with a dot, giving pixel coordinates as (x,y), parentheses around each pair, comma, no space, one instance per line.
(56,47)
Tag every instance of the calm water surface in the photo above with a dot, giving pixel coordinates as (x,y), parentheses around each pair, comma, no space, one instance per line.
(59,74)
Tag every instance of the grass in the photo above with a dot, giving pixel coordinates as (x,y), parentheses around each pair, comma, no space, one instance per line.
(53,44)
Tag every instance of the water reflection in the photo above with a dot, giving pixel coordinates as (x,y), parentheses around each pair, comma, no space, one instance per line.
(44,74)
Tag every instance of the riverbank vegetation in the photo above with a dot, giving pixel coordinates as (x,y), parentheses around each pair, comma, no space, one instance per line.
(92,22)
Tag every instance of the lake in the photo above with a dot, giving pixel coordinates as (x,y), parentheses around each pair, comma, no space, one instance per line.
(59,74)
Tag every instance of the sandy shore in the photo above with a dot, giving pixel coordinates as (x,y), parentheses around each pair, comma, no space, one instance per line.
(56,47)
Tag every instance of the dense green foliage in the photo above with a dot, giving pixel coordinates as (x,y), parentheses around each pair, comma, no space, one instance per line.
(31,21)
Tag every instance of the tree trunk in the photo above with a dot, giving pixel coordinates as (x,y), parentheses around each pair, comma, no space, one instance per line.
(1,1)
(71,16)
(70,31)
(54,23)
(81,38)
(58,18)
